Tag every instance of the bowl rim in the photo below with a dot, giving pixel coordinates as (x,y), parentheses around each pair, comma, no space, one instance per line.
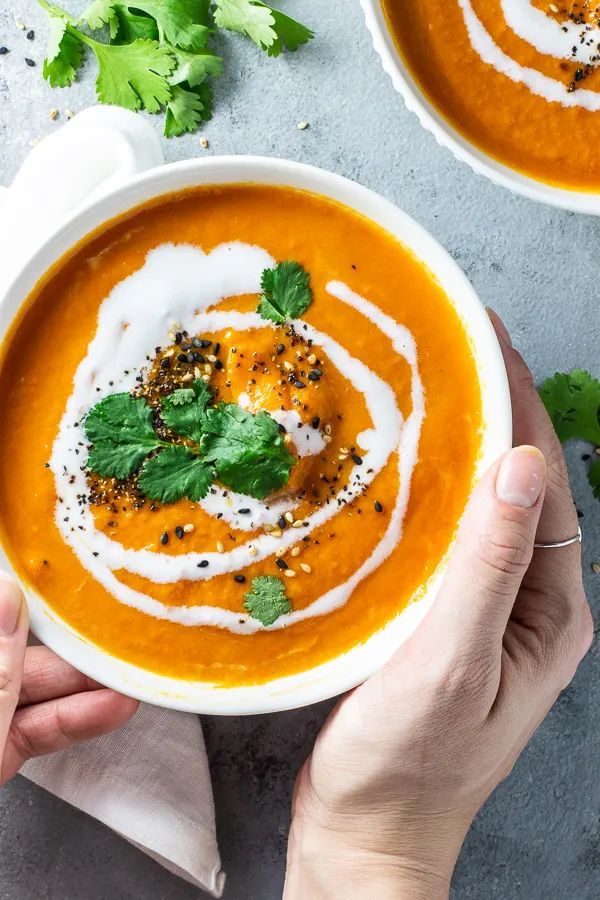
(355,666)
(448,136)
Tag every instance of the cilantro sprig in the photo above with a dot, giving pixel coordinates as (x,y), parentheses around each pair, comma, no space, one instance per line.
(573,403)
(267,600)
(156,54)
(245,452)
(286,292)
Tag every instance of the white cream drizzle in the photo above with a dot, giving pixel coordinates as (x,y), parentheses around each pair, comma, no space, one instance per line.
(180,283)
(523,19)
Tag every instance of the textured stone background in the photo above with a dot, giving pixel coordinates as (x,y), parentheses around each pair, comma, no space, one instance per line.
(539,836)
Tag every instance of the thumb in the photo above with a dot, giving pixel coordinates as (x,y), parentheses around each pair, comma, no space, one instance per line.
(493,550)
(13,640)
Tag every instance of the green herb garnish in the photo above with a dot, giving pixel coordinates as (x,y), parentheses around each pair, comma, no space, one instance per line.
(573,403)
(247,451)
(286,292)
(156,53)
(122,434)
(267,600)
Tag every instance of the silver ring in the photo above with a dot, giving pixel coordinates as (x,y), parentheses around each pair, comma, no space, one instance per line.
(551,545)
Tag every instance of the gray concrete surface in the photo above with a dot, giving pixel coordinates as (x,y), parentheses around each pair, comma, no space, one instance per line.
(539,836)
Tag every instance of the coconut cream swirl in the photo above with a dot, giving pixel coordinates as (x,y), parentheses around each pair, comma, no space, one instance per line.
(548,37)
(180,283)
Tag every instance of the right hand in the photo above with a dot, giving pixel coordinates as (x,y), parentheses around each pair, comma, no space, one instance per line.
(45,704)
(401,767)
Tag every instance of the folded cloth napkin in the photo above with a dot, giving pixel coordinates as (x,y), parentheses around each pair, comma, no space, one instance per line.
(127,779)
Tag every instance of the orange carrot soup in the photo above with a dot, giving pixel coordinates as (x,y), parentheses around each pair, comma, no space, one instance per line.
(519,79)
(229,444)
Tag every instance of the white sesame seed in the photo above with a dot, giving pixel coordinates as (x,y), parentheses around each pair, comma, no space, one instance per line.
(20,25)
(204,143)
(220,547)
(211,358)
(207,369)
(189,528)
(279,552)
(302,126)
(171,335)
(554,8)
(276,533)
(197,373)
(54,114)
(169,353)
(252,550)
(312,359)
(289,517)
(295,551)
(327,429)
(205,378)
(69,113)
(288,366)
(189,377)
(289,573)
(306,568)
(327,438)
(297,524)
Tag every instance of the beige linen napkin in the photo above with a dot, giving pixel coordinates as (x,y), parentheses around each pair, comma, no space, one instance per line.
(149,781)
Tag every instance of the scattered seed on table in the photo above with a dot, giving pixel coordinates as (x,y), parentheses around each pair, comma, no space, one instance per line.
(54,114)
(302,126)
(204,143)
(30,62)
(31,35)
(4,51)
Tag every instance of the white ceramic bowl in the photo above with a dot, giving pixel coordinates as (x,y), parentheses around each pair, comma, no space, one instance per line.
(352,668)
(447,136)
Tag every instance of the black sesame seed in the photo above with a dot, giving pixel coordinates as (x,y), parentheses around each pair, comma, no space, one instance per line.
(378,506)
(244,512)
(198,357)
(204,344)
(178,337)
(164,538)
(29,62)
(299,384)
(282,522)
(179,532)
(314,376)
(218,365)
(182,357)
(165,363)
(281,429)
(357,459)
(196,342)
(31,35)
(4,51)
(281,563)
(316,422)
(239,578)
(203,564)
(216,348)
(280,349)
(191,357)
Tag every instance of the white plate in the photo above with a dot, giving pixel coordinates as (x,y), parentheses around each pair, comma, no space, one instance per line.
(447,136)
(352,668)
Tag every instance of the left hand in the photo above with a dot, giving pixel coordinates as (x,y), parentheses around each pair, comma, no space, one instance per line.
(45,704)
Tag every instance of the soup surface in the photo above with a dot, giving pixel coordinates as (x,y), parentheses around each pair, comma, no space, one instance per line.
(518,78)
(214,495)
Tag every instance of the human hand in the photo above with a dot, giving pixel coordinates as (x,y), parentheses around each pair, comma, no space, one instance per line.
(382,806)
(45,705)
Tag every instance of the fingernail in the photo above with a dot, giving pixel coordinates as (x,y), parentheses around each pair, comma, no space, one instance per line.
(499,326)
(10,605)
(521,477)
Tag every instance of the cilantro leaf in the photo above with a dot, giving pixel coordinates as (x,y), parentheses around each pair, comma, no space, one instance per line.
(101,13)
(286,292)
(247,450)
(121,433)
(133,75)
(175,473)
(290,34)
(573,403)
(267,600)
(270,29)
(187,108)
(65,54)
(184,411)
(195,68)
(184,23)
(131,26)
